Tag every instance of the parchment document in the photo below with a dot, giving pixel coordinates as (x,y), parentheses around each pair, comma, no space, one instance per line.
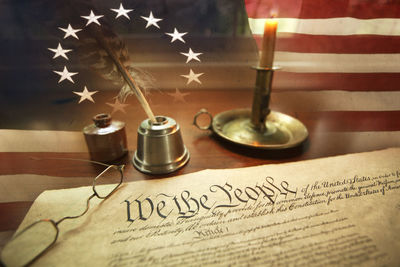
(337,211)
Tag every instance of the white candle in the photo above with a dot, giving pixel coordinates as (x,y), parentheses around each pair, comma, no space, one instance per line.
(268,44)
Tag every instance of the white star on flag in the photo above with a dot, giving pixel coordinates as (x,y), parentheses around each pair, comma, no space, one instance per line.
(178,96)
(191,55)
(176,35)
(193,77)
(122,12)
(151,20)
(65,75)
(69,31)
(117,106)
(85,94)
(59,51)
(92,18)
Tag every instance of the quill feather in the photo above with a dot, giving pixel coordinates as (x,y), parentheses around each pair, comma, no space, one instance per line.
(125,73)
(108,56)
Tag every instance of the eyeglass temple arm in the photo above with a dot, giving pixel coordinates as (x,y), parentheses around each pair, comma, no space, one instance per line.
(120,169)
(77,216)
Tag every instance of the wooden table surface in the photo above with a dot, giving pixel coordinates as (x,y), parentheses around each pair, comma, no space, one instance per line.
(330,133)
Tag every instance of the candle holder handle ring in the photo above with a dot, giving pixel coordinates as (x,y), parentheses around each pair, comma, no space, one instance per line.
(202,112)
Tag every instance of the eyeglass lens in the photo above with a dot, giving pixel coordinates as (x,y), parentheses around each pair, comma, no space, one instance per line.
(39,236)
(28,244)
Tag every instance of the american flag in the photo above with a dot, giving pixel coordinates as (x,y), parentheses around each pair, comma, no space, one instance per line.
(340,70)
(343,55)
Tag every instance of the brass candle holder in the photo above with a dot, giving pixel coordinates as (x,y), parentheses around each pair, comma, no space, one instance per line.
(258,127)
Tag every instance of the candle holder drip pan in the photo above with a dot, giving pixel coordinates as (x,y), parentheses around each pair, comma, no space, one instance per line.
(258,127)
(281,131)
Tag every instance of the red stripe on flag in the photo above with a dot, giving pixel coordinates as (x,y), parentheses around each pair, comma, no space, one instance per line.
(351,121)
(12,214)
(313,9)
(350,44)
(39,162)
(336,81)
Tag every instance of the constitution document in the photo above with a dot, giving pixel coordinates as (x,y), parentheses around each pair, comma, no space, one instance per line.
(337,211)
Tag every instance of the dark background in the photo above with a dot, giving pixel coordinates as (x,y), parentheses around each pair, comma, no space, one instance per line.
(30,96)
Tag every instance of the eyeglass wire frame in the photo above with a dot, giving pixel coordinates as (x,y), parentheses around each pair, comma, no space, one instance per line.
(55,224)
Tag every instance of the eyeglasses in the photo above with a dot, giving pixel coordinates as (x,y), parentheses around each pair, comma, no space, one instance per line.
(30,243)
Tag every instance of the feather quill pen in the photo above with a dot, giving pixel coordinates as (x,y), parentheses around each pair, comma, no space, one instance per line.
(125,73)
(107,54)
